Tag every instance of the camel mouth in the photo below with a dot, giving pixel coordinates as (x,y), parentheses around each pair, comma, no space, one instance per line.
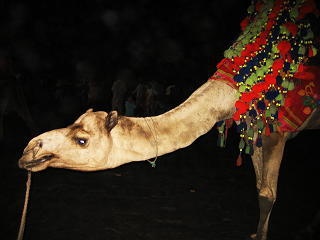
(33,163)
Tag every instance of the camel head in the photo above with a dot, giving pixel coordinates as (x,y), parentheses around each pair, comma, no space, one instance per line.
(85,145)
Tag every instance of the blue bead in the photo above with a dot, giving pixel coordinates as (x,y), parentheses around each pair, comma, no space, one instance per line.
(279,80)
(286,66)
(272,94)
(252,113)
(218,124)
(238,78)
(261,105)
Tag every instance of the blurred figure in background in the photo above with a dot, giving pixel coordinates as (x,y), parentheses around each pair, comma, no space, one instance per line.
(121,89)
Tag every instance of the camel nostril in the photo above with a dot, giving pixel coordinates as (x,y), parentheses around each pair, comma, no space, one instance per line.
(40,144)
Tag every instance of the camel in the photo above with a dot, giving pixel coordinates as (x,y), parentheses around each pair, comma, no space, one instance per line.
(100,140)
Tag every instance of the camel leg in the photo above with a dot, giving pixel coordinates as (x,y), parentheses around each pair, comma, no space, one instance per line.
(257,161)
(272,152)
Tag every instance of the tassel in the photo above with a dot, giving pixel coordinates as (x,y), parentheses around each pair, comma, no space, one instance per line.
(227,125)
(239,160)
(249,149)
(152,163)
(241,144)
(221,140)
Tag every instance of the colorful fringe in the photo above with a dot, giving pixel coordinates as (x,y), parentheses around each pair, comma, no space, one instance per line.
(264,63)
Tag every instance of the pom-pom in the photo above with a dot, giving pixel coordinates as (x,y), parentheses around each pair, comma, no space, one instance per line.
(259,87)
(239,60)
(261,41)
(248,96)
(270,79)
(245,53)
(236,116)
(312,52)
(241,106)
(284,47)
(277,64)
(244,23)
(293,28)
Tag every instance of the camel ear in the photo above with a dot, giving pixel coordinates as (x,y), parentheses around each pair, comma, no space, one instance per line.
(89,110)
(111,120)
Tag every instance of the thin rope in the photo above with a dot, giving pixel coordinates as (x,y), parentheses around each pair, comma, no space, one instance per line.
(24,212)
(153,162)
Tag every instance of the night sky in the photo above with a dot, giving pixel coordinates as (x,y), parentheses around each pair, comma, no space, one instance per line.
(49,49)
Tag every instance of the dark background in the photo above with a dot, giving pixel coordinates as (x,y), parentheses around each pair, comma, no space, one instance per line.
(47,47)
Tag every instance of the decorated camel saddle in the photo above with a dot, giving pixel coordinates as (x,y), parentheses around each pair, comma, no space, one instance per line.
(275,68)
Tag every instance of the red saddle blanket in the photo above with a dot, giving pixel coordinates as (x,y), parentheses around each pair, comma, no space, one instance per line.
(301,101)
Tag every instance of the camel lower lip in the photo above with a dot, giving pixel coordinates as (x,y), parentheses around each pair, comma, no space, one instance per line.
(33,163)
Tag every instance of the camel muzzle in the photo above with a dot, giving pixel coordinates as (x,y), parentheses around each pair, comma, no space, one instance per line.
(30,164)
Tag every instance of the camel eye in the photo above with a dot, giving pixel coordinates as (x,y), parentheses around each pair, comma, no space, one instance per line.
(81,141)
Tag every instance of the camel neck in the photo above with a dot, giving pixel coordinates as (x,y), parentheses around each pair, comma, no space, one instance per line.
(138,139)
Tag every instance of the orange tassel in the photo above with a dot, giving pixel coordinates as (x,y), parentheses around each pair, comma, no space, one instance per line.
(239,160)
